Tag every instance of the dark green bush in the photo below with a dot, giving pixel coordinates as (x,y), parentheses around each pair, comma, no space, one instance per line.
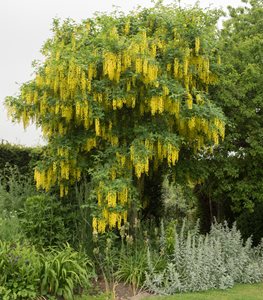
(22,157)
(15,188)
(42,221)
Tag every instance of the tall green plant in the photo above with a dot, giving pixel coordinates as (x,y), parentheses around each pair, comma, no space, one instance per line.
(14,189)
(42,221)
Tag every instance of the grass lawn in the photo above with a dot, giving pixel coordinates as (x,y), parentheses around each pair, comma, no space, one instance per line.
(238,292)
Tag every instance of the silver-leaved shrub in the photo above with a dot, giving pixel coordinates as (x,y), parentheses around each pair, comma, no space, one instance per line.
(217,260)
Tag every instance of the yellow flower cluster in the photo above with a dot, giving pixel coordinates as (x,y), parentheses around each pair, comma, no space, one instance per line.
(111,199)
(199,143)
(157,104)
(90,144)
(186,65)
(176,67)
(189,101)
(168,151)
(92,72)
(198,129)
(199,99)
(25,119)
(118,103)
(215,137)
(197,45)
(155,150)
(219,124)
(97,127)
(172,107)
(112,65)
(127,27)
(45,179)
(191,123)
(121,159)
(110,217)
(205,71)
(150,73)
(141,165)
(67,113)
(123,196)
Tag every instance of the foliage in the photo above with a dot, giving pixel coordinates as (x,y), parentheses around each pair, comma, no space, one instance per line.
(64,271)
(10,228)
(118,97)
(179,202)
(235,170)
(106,253)
(77,217)
(132,266)
(250,223)
(124,258)
(14,189)
(42,221)
(217,260)
(132,260)
(39,217)
(19,271)
(26,273)
(22,157)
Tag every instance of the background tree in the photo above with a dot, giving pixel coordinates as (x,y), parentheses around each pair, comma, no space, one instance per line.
(120,97)
(234,187)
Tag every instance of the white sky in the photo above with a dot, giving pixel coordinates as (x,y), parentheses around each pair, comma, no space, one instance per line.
(25,26)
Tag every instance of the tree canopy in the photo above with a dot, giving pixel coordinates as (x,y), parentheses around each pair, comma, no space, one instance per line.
(235,179)
(120,96)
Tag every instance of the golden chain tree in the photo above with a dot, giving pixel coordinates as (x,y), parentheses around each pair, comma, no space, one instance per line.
(117,96)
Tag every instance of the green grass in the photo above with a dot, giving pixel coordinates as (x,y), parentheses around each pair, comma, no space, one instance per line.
(238,292)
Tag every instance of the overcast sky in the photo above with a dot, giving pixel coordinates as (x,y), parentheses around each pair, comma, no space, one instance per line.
(24,27)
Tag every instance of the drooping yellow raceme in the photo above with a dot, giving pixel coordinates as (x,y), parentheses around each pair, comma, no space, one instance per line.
(108,216)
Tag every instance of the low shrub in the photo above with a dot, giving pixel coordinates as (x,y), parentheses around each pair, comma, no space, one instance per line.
(20,268)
